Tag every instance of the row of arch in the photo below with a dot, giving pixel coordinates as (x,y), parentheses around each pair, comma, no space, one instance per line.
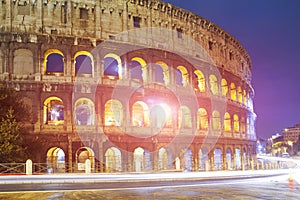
(142,160)
(136,68)
(142,115)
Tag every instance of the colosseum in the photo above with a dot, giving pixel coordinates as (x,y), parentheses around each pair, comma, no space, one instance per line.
(128,85)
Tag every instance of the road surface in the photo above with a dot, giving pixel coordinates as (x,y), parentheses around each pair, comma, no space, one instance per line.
(221,185)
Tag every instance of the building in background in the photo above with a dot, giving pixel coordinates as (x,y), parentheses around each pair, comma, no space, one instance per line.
(130,85)
(291,134)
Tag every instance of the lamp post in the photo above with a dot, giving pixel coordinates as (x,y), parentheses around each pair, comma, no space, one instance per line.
(290,143)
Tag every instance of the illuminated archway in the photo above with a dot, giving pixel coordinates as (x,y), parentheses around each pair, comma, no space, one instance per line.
(84,64)
(184,117)
(203,159)
(140,114)
(53,111)
(227,122)
(202,119)
(240,95)
(160,116)
(245,97)
(181,76)
(233,92)
(245,164)
(243,125)
(113,113)
(218,160)
(56,160)
(238,164)
(53,62)
(112,65)
(200,80)
(141,159)
(216,121)
(138,69)
(84,112)
(163,159)
(187,157)
(236,123)
(113,160)
(229,158)
(214,85)
(161,73)
(82,154)
(224,86)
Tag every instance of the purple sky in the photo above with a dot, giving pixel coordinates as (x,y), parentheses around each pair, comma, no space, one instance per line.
(270,32)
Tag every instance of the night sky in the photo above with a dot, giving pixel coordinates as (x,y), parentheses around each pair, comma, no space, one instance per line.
(270,32)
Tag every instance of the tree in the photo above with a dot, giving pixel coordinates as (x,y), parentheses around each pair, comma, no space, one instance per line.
(11,140)
(13,115)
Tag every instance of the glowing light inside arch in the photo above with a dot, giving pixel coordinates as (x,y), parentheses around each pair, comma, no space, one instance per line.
(143,65)
(107,65)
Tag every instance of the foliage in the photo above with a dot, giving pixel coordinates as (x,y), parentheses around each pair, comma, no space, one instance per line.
(13,115)
(11,149)
(9,98)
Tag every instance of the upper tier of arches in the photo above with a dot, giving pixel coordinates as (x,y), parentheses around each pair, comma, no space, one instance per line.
(140,67)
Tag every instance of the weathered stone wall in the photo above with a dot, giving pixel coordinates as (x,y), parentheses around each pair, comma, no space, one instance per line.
(101,20)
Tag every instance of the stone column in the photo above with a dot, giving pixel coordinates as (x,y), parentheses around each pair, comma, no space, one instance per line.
(211,160)
(195,162)
(70,161)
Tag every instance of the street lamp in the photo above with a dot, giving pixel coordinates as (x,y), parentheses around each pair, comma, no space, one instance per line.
(290,143)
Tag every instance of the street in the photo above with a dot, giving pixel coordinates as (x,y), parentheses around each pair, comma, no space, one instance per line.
(148,186)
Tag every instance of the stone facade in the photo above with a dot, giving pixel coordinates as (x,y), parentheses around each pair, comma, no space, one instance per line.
(131,85)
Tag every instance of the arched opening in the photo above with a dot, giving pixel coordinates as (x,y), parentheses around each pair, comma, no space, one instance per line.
(181,76)
(238,164)
(83,64)
(53,111)
(236,123)
(141,159)
(163,160)
(113,160)
(233,92)
(245,163)
(135,69)
(186,160)
(56,160)
(112,66)
(203,159)
(224,86)
(82,154)
(138,69)
(229,158)
(84,112)
(23,62)
(177,163)
(140,114)
(54,62)
(113,113)
(214,85)
(227,122)
(243,126)
(199,81)
(160,116)
(240,95)
(218,161)
(184,117)
(161,73)
(245,98)
(202,122)
(216,121)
